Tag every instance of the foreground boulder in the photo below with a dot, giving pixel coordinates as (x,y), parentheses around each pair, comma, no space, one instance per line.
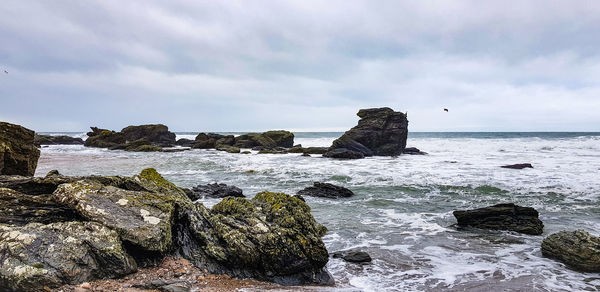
(214,191)
(380,132)
(143,138)
(502,217)
(577,249)
(56,140)
(37,255)
(326,190)
(18,154)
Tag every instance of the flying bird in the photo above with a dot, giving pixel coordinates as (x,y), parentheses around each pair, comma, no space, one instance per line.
(5,71)
(446,110)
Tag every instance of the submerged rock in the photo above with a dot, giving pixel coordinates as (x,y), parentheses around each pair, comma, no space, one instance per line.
(353,256)
(214,191)
(18,154)
(326,190)
(380,132)
(578,250)
(413,151)
(518,166)
(502,217)
(56,140)
(37,255)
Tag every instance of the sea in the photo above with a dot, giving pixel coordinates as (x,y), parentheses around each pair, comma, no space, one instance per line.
(401,213)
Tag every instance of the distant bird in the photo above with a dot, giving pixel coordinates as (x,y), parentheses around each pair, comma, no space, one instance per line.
(5,71)
(446,110)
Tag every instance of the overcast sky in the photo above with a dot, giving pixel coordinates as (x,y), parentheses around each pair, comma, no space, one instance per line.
(300,65)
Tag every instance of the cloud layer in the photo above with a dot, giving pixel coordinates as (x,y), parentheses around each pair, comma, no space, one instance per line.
(303,65)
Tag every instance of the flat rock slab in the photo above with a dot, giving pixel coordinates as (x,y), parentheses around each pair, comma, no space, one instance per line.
(578,249)
(502,217)
(326,190)
(37,256)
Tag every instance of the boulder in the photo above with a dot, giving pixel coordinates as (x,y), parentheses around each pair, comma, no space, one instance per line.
(207,141)
(228,149)
(413,151)
(214,191)
(184,142)
(144,138)
(102,138)
(578,250)
(157,134)
(251,140)
(353,256)
(518,166)
(380,132)
(343,153)
(56,140)
(18,154)
(37,255)
(315,150)
(282,138)
(326,190)
(502,217)
(20,209)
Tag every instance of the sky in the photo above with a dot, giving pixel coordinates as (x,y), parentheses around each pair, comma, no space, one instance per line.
(300,65)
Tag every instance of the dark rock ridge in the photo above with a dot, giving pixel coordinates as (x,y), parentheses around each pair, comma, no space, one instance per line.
(578,250)
(413,151)
(380,132)
(326,190)
(214,191)
(56,140)
(518,166)
(270,140)
(18,154)
(353,256)
(502,217)
(103,227)
(143,138)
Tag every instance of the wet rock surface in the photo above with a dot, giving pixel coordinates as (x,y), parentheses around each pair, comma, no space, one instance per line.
(214,191)
(56,140)
(18,154)
(353,256)
(143,138)
(20,209)
(380,132)
(578,249)
(518,166)
(326,190)
(502,217)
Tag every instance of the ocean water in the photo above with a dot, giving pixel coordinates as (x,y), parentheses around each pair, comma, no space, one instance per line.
(402,212)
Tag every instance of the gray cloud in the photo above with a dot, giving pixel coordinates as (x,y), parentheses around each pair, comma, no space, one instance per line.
(238,65)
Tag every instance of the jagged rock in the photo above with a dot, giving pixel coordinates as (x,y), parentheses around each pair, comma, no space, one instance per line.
(228,140)
(184,142)
(157,134)
(214,191)
(102,138)
(326,190)
(502,217)
(380,132)
(207,141)
(353,256)
(578,249)
(413,151)
(518,166)
(18,154)
(36,255)
(56,140)
(282,138)
(143,138)
(251,140)
(228,149)
(20,209)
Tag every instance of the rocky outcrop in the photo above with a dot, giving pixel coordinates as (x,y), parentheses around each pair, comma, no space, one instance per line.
(228,149)
(578,250)
(56,140)
(18,154)
(413,151)
(214,191)
(353,256)
(144,138)
(251,140)
(326,190)
(518,166)
(20,209)
(281,138)
(184,142)
(502,217)
(211,140)
(380,132)
(35,256)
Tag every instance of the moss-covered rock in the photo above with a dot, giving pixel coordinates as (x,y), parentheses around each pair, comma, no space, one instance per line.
(578,249)
(251,140)
(18,154)
(282,138)
(228,149)
(35,256)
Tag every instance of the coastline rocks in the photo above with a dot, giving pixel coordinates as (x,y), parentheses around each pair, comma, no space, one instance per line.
(37,255)
(228,149)
(209,141)
(353,256)
(252,140)
(214,191)
(518,166)
(156,134)
(577,249)
(413,151)
(143,138)
(282,138)
(20,209)
(502,217)
(102,138)
(184,142)
(326,190)
(380,132)
(56,140)
(18,154)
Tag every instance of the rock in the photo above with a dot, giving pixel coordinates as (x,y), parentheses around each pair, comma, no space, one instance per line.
(228,149)
(353,256)
(215,191)
(208,141)
(165,285)
(272,151)
(18,154)
(315,150)
(56,140)
(271,237)
(380,132)
(502,217)
(578,250)
(20,209)
(184,142)
(296,149)
(518,166)
(343,153)
(157,134)
(246,152)
(143,138)
(37,255)
(282,138)
(326,190)
(101,138)
(251,140)
(305,155)
(228,140)
(413,151)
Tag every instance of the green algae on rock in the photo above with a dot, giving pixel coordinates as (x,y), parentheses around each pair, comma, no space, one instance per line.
(577,249)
